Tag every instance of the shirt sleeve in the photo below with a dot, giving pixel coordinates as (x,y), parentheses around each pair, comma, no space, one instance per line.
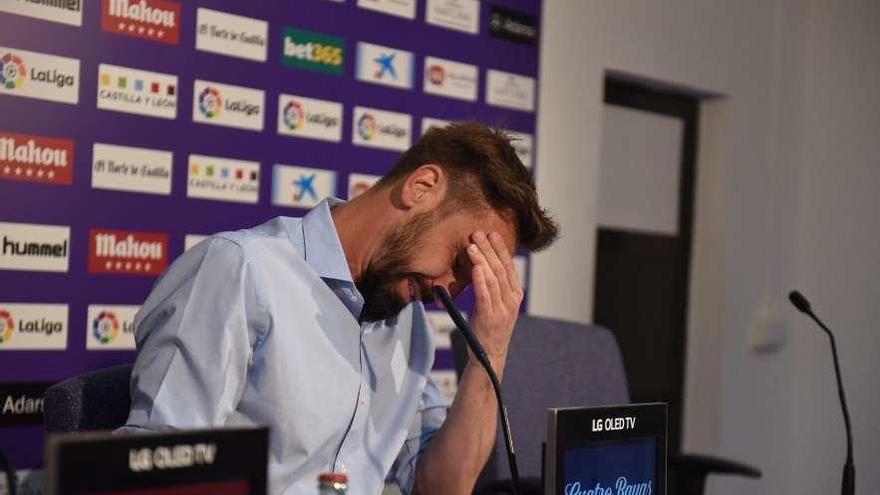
(426,423)
(195,335)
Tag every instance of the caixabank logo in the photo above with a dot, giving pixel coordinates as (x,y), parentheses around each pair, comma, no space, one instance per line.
(381,129)
(126,252)
(227,105)
(36,158)
(38,75)
(110,327)
(223,179)
(123,89)
(301,187)
(384,65)
(156,20)
(33,326)
(312,51)
(299,116)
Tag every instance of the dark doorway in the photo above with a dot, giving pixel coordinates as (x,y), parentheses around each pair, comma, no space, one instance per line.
(642,276)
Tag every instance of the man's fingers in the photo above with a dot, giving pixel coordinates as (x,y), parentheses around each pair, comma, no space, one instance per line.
(481,289)
(495,263)
(506,260)
(478,258)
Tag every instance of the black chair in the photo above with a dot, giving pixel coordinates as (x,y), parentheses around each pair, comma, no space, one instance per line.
(98,400)
(553,363)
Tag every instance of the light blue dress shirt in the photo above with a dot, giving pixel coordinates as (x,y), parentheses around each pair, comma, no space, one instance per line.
(260,327)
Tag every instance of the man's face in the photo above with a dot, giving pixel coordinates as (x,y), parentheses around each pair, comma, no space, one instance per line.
(428,250)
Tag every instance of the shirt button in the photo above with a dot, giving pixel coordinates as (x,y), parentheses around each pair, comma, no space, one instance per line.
(363,401)
(343,468)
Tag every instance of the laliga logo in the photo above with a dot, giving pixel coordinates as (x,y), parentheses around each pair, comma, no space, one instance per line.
(210,102)
(367,126)
(12,71)
(7,325)
(105,327)
(294,115)
(436,74)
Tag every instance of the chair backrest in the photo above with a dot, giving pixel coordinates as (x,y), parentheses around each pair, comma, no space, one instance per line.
(98,400)
(550,363)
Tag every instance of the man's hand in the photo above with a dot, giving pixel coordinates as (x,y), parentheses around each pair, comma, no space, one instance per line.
(498,295)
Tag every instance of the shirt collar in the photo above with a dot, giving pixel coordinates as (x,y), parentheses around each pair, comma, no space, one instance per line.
(323,249)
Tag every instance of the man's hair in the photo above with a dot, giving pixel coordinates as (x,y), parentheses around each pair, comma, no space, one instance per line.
(484,171)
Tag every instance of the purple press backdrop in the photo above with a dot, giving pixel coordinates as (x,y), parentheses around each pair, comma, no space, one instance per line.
(82,207)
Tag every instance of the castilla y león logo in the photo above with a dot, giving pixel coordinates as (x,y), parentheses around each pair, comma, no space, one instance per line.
(127,252)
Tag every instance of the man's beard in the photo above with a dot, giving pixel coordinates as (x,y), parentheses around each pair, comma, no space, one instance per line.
(391,265)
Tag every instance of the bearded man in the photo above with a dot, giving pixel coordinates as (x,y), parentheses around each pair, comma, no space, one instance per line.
(315,326)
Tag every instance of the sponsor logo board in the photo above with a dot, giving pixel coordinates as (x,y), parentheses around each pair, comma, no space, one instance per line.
(360,183)
(192,239)
(37,75)
(383,65)
(156,20)
(451,79)
(309,118)
(460,15)
(523,144)
(110,327)
(400,8)
(33,326)
(33,247)
(312,51)
(301,187)
(127,252)
(443,327)
(223,179)
(127,90)
(381,129)
(126,168)
(231,35)
(36,158)
(227,105)
(507,90)
(63,11)
(513,25)
(428,122)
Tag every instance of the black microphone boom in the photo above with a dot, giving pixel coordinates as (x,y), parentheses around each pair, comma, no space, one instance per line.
(848,484)
(483,358)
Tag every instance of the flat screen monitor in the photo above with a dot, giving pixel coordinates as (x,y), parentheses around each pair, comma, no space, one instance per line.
(615,450)
(199,462)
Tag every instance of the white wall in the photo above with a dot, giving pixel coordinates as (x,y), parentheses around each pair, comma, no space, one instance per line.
(786,196)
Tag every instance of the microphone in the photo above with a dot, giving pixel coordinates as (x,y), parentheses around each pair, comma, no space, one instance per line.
(483,358)
(848,485)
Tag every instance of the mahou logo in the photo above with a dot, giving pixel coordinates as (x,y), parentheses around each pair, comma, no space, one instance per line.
(35,158)
(157,20)
(125,252)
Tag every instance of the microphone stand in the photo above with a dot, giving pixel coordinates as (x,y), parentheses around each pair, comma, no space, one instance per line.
(848,484)
(483,358)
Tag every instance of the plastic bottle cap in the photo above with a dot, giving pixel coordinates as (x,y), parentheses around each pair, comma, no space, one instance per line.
(333,478)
